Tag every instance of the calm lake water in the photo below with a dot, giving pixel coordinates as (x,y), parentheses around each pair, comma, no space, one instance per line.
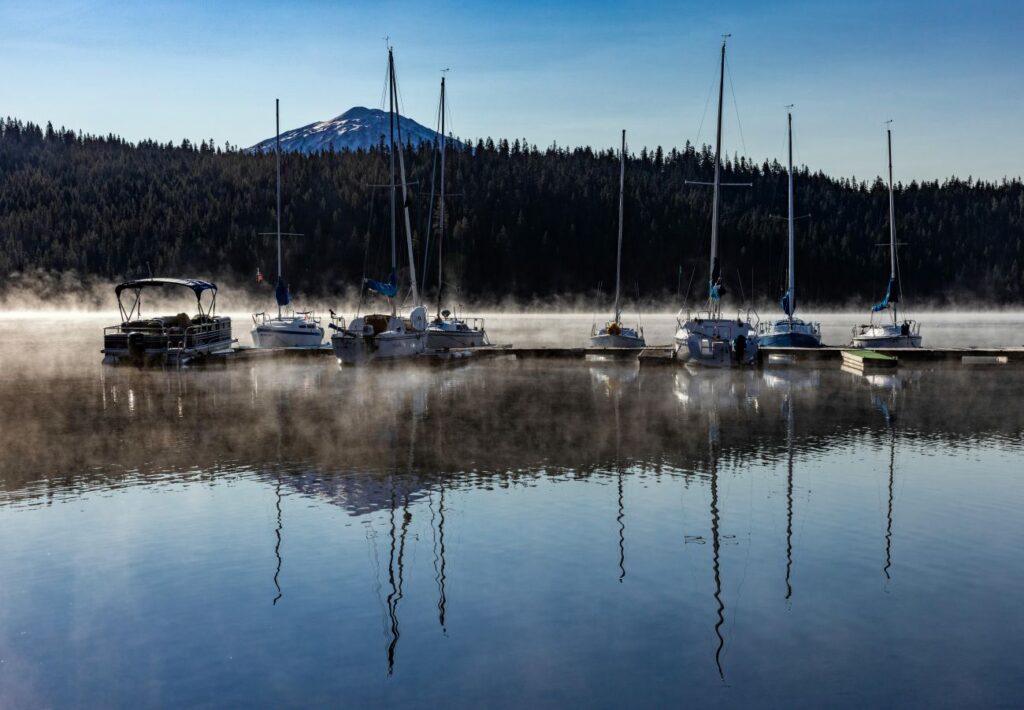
(501,534)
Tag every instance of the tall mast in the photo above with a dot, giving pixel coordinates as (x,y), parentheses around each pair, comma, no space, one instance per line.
(622,190)
(391,121)
(792,238)
(277,153)
(440,228)
(892,222)
(718,175)
(405,191)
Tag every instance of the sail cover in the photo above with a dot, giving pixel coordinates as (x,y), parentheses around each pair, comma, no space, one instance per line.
(281,292)
(892,295)
(388,288)
(788,304)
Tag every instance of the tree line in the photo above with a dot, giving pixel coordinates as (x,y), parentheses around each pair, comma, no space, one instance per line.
(520,221)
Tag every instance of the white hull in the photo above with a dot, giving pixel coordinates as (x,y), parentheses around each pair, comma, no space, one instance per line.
(443,340)
(716,342)
(887,341)
(353,349)
(606,340)
(287,334)
(889,335)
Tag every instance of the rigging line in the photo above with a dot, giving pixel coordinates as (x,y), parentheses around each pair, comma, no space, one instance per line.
(707,102)
(736,107)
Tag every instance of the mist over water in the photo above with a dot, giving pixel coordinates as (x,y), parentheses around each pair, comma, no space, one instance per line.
(507,533)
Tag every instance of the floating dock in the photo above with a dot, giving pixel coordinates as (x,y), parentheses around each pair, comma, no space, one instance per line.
(824,357)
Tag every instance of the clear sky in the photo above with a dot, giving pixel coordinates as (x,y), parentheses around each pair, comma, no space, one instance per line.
(950,74)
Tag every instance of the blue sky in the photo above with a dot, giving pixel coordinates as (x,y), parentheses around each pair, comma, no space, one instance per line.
(950,74)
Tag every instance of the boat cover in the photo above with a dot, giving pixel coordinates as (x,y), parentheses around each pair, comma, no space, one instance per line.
(786,302)
(196,285)
(389,288)
(281,292)
(892,295)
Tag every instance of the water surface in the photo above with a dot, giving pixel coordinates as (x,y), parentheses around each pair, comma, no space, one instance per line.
(504,534)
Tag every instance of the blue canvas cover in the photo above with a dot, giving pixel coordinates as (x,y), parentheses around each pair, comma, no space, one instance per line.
(891,296)
(388,288)
(787,304)
(282,293)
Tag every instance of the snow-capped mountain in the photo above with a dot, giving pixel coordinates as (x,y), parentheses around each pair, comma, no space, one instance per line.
(356,128)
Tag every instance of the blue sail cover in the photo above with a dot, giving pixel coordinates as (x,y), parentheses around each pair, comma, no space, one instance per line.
(389,288)
(891,296)
(787,304)
(714,292)
(281,292)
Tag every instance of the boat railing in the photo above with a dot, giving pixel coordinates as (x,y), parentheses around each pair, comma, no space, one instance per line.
(262,317)
(175,338)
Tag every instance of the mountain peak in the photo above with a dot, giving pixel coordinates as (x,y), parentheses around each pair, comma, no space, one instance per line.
(359,128)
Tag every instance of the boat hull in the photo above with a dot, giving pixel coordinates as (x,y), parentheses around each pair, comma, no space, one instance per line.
(716,343)
(607,340)
(287,336)
(888,335)
(870,342)
(149,345)
(788,340)
(446,339)
(356,349)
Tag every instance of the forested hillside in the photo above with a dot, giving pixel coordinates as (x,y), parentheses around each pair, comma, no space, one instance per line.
(524,222)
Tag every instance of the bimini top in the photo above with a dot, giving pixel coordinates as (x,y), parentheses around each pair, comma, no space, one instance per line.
(197,286)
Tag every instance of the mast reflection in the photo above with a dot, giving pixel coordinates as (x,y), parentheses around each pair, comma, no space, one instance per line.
(396,561)
(277,544)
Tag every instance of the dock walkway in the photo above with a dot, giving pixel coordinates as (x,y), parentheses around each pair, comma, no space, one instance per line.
(664,355)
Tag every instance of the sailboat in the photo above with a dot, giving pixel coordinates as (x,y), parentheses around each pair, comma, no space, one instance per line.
(790,331)
(299,329)
(448,330)
(707,338)
(387,336)
(894,334)
(614,334)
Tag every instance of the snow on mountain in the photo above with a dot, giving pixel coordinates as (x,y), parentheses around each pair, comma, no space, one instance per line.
(357,128)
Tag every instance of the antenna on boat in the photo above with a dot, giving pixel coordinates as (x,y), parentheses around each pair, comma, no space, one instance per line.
(622,192)
(791,305)
(892,221)
(391,151)
(277,153)
(440,224)
(714,266)
(405,185)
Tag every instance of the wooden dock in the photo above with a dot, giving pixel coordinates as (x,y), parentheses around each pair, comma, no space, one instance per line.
(824,357)
(948,357)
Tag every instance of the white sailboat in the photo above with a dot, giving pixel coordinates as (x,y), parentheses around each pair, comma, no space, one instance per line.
(387,336)
(706,337)
(447,329)
(298,329)
(896,333)
(790,331)
(614,334)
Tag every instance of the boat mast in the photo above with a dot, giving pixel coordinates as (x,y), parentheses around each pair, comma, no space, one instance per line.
(440,228)
(892,223)
(792,240)
(391,121)
(622,189)
(405,190)
(718,182)
(277,153)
